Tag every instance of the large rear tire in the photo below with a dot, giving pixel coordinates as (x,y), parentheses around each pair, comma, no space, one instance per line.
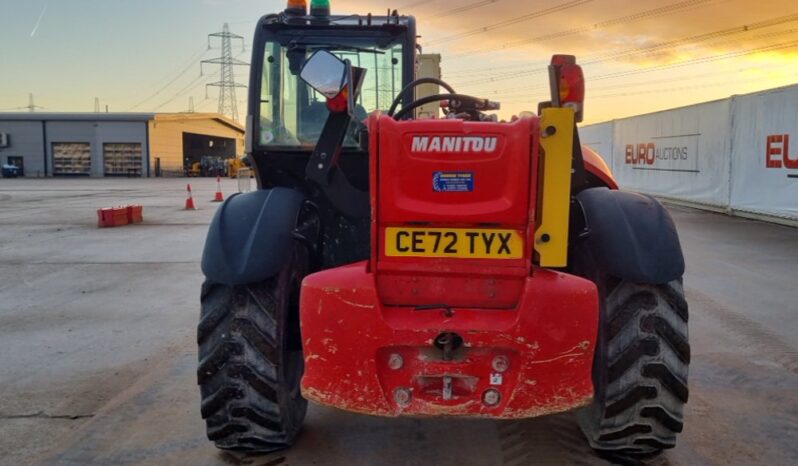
(640,370)
(250,361)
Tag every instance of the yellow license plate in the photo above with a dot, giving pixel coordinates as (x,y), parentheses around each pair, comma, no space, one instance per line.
(459,243)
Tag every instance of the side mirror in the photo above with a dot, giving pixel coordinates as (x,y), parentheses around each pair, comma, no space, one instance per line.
(325,73)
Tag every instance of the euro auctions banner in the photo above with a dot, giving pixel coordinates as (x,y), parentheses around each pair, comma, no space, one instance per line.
(764,153)
(681,153)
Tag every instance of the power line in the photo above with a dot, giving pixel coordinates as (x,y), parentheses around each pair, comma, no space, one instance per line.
(465,8)
(693,40)
(701,60)
(660,90)
(481,72)
(648,49)
(413,5)
(654,12)
(511,22)
(31,107)
(180,74)
(186,89)
(539,89)
(204,102)
(673,89)
(772,34)
(695,61)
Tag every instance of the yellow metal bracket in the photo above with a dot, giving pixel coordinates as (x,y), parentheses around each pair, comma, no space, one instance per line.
(556,140)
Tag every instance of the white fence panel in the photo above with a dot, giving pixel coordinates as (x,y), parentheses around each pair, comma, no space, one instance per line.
(681,154)
(765,153)
(599,138)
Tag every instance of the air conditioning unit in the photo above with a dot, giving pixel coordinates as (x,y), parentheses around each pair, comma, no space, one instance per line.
(5,141)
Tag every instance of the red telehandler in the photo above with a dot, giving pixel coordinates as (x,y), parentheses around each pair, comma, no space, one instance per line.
(450,267)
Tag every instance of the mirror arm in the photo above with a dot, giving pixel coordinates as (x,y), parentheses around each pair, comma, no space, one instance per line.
(325,156)
(350,103)
(324,172)
(357,76)
(322,168)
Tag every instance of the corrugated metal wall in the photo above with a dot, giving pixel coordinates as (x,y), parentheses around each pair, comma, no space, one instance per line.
(166,138)
(26,138)
(96,134)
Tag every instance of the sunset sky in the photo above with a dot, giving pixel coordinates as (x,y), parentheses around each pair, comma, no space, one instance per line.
(638,57)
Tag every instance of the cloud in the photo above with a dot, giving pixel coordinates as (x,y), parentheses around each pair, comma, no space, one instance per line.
(659,31)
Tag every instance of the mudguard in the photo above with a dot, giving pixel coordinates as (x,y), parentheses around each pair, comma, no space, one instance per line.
(250,236)
(631,236)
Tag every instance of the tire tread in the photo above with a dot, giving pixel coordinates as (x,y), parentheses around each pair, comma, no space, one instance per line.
(642,390)
(238,340)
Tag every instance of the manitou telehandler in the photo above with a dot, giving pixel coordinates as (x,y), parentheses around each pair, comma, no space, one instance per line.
(456,266)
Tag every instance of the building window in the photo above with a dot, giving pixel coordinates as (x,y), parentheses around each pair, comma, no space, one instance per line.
(71,158)
(122,159)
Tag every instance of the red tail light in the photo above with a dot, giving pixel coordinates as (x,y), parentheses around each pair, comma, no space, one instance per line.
(568,83)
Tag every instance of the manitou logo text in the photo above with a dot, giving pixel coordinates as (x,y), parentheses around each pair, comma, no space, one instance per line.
(777,152)
(463,144)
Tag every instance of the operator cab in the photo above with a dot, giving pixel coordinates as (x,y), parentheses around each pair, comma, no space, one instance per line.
(286,116)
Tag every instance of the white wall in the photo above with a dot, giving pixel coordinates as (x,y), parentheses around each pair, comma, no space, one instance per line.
(714,154)
(599,138)
(765,128)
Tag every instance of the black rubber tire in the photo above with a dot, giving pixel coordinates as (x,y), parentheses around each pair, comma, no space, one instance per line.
(640,371)
(250,361)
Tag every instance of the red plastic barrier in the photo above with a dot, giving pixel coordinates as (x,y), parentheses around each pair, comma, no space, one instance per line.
(135,213)
(119,216)
(105,218)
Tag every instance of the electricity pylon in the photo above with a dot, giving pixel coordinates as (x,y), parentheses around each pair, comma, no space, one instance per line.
(228,105)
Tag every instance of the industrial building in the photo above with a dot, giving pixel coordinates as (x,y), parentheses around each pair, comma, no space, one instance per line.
(116,144)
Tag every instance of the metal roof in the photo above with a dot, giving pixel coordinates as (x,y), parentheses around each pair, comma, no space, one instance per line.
(65,116)
(120,117)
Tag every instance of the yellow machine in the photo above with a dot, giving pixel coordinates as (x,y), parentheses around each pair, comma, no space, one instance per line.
(233,166)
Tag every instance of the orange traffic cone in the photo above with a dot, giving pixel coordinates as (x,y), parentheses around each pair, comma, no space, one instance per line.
(219,196)
(190,199)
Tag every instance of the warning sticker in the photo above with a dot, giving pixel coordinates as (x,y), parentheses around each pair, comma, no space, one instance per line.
(495,378)
(456,182)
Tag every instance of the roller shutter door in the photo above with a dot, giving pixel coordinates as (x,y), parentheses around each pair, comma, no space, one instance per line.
(71,158)
(122,159)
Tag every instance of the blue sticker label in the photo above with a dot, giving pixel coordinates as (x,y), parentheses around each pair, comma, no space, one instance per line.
(453,182)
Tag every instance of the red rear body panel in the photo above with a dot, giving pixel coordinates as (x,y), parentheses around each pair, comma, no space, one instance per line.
(349,336)
(499,166)
(478,183)
(409,154)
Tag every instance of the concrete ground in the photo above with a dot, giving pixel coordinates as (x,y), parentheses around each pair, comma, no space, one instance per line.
(97,352)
